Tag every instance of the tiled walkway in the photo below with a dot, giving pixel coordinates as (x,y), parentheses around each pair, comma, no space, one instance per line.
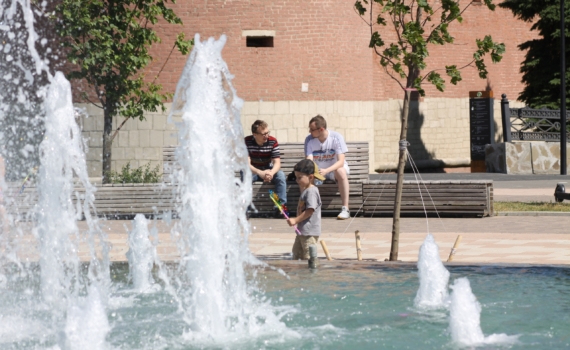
(520,240)
(525,240)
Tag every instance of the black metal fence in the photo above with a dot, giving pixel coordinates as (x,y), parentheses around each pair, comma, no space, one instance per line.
(527,124)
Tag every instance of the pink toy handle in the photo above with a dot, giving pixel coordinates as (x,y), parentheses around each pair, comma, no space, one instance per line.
(286,217)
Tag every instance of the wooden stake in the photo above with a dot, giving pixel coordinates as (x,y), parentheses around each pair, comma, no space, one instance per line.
(452,253)
(358,247)
(325,249)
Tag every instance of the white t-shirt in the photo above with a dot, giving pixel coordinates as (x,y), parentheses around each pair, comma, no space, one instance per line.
(326,154)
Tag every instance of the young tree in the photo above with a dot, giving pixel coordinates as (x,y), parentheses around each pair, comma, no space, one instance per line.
(541,67)
(417,26)
(108,41)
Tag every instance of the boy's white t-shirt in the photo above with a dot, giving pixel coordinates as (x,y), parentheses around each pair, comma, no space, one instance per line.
(326,154)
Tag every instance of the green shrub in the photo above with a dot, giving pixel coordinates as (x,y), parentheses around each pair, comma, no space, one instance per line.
(143,174)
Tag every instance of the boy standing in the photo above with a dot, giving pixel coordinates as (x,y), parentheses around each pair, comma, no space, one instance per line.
(308,219)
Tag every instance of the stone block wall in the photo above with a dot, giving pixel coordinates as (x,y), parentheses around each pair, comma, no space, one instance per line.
(289,120)
(138,142)
(438,130)
(524,157)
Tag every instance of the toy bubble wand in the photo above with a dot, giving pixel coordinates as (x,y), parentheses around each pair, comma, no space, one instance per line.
(275,198)
(31,173)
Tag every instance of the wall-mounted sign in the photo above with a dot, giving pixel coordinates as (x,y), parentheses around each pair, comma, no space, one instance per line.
(481,122)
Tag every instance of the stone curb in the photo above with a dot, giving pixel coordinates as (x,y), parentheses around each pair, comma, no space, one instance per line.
(532,213)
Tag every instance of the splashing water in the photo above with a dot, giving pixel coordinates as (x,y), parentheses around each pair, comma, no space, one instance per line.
(141,254)
(434,277)
(465,314)
(465,317)
(62,158)
(212,232)
(87,324)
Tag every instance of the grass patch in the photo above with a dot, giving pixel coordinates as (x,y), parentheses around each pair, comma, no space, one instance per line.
(531,206)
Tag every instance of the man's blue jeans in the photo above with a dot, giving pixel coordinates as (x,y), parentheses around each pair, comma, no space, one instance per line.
(280,184)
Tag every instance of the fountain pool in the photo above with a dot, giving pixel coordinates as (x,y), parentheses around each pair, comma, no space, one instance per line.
(340,306)
(218,295)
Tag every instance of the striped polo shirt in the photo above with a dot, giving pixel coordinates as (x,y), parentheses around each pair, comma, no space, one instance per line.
(261,156)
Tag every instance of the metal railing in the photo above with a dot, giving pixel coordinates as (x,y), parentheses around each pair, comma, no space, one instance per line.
(528,124)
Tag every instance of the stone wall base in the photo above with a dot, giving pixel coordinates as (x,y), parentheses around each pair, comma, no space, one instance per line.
(438,130)
(524,157)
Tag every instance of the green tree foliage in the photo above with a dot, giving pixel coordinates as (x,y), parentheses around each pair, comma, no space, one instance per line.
(541,67)
(418,25)
(108,41)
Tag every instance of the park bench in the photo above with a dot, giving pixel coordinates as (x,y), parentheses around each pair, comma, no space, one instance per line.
(367,197)
(291,153)
(450,198)
(112,200)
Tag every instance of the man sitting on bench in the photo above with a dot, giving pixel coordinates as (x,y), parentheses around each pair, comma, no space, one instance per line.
(265,161)
(327,149)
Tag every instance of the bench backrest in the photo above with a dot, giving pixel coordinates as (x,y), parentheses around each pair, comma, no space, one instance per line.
(291,153)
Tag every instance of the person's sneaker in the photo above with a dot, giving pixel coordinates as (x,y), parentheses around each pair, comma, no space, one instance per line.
(344,214)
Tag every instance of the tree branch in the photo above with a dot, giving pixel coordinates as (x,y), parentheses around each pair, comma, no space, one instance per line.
(119,128)
(165,62)
(93,103)
(434,12)
(384,57)
(442,69)
(449,20)
(396,27)
(359,16)
(394,78)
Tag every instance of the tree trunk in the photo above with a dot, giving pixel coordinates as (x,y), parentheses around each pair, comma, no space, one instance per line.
(107,145)
(400,180)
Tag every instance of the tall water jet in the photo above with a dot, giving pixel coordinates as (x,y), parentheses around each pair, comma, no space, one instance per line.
(63,285)
(212,232)
(465,314)
(141,254)
(434,277)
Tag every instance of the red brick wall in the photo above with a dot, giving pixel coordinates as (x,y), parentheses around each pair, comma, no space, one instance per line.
(325,43)
(478,21)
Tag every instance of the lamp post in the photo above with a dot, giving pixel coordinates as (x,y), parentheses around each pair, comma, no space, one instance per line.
(562,92)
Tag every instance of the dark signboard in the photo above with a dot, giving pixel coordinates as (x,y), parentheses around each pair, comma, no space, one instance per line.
(481,123)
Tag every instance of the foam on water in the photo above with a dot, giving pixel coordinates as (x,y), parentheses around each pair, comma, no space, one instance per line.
(212,233)
(433,276)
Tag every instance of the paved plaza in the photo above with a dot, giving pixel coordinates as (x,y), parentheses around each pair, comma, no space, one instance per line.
(500,239)
(528,239)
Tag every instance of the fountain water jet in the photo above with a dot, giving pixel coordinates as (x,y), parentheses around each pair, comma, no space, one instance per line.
(87,325)
(212,232)
(465,318)
(434,277)
(141,254)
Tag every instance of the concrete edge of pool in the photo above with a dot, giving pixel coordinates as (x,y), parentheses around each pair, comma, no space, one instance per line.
(356,264)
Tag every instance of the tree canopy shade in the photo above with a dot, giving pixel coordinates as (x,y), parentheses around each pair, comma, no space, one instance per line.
(108,41)
(541,67)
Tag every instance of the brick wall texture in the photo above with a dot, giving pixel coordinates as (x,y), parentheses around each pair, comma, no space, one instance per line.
(324,43)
